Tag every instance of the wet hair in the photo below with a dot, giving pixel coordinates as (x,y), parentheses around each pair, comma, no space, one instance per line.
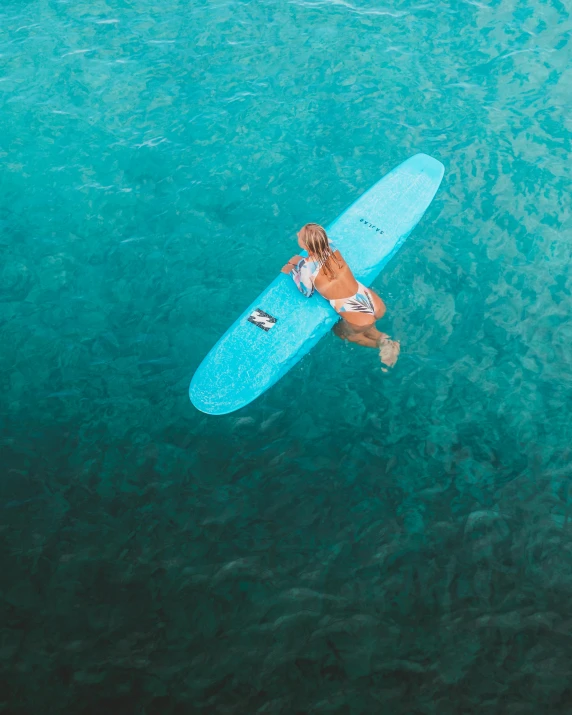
(316,239)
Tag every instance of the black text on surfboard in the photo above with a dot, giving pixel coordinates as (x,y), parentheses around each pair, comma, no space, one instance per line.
(370,225)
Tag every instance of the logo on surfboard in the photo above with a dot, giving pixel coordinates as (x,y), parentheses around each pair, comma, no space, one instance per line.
(370,225)
(262,320)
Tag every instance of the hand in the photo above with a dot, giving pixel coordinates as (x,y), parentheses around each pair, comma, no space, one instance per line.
(288,268)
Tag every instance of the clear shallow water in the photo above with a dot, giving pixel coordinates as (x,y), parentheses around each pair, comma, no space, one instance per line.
(353,542)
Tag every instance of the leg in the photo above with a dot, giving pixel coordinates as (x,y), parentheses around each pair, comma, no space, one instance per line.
(375,334)
(362,339)
(388,349)
(370,337)
(359,334)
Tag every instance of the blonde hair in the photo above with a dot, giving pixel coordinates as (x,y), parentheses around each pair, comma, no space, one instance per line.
(316,239)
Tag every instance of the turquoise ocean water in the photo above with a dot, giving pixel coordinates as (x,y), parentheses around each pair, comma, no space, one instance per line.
(353,541)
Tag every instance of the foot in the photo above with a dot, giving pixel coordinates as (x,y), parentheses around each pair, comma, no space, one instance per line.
(388,351)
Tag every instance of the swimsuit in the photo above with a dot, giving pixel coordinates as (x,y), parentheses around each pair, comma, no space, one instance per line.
(304,275)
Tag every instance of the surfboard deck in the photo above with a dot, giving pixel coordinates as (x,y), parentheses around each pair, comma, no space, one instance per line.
(282,325)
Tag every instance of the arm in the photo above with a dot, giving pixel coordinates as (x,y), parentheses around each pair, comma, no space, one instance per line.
(289,267)
(301,274)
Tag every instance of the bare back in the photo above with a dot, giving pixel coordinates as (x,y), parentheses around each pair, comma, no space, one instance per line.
(342,286)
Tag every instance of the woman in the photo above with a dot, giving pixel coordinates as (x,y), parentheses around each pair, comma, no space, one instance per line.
(359,307)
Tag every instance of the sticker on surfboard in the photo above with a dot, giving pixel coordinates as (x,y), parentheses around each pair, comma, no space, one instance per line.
(262,320)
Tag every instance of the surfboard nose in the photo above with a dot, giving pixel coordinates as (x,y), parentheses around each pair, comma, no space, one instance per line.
(423,163)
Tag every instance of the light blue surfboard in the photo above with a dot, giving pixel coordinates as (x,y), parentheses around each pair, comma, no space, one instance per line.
(251,356)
